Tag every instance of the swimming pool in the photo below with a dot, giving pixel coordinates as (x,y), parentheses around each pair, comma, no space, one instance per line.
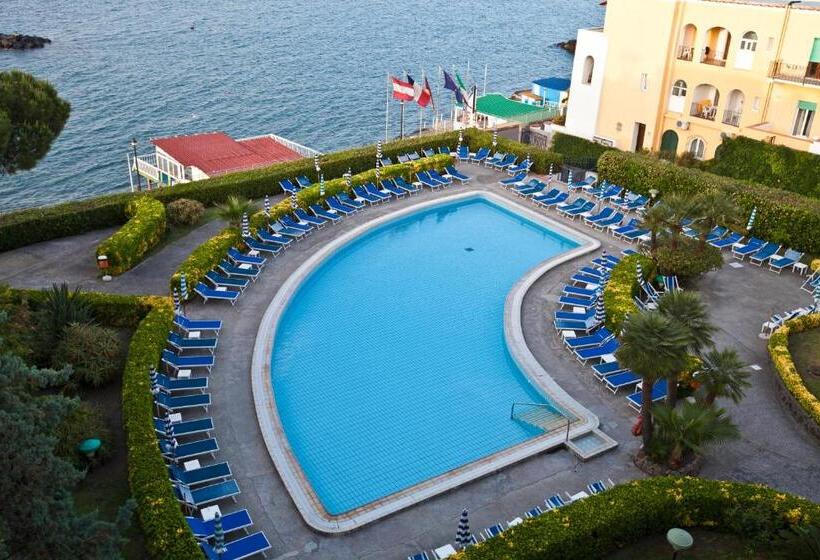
(389,365)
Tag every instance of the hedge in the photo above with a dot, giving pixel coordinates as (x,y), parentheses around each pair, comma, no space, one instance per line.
(205,257)
(143,231)
(34,225)
(782,360)
(769,164)
(578,150)
(599,525)
(541,159)
(782,217)
(619,291)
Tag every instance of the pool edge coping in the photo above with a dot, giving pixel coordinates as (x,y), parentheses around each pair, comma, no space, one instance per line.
(273,434)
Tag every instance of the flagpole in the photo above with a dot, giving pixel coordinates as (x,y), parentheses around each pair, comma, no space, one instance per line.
(421,109)
(401,126)
(387,111)
(485,80)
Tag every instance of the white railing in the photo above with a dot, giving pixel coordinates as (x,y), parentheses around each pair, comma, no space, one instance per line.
(290,144)
(147,167)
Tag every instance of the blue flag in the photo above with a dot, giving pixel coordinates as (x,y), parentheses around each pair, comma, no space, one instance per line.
(450,84)
(410,79)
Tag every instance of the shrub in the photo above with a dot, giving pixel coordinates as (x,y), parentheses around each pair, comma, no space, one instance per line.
(782,217)
(139,235)
(85,421)
(783,363)
(58,307)
(205,257)
(541,159)
(622,286)
(578,151)
(688,259)
(185,212)
(769,164)
(599,525)
(93,352)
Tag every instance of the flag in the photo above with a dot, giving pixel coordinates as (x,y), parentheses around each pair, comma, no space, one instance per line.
(450,84)
(425,95)
(467,94)
(403,91)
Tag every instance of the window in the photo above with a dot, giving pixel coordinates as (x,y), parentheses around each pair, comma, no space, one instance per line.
(756,104)
(644,82)
(770,44)
(804,118)
(696,147)
(589,67)
(749,41)
(679,89)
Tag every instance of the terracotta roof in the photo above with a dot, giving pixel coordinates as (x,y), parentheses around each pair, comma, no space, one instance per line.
(216,153)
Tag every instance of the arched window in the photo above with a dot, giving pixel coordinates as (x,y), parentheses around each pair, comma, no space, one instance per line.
(749,41)
(679,89)
(589,67)
(697,147)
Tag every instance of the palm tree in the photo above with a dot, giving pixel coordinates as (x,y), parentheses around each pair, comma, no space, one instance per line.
(723,375)
(715,209)
(233,208)
(686,309)
(689,428)
(679,207)
(651,345)
(655,220)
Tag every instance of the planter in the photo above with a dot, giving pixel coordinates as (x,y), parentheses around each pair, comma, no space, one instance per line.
(691,467)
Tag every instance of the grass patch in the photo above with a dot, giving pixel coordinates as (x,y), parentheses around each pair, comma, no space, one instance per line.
(805,350)
(709,545)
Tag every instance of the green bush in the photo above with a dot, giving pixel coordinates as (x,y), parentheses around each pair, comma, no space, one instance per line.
(622,286)
(185,212)
(688,259)
(782,217)
(85,421)
(93,352)
(599,525)
(205,257)
(143,231)
(541,159)
(783,363)
(769,164)
(578,151)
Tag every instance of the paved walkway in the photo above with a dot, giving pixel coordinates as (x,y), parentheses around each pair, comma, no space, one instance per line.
(774,449)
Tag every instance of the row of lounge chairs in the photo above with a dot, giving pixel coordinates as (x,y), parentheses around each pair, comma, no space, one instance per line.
(185,442)
(551,503)
(778,319)
(499,161)
(228,280)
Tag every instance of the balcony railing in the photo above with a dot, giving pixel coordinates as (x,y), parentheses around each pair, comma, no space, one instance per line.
(806,74)
(732,118)
(703,111)
(686,52)
(709,59)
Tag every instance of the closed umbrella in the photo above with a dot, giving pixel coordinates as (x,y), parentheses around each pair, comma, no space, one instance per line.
(463,533)
(246,227)
(751,221)
(152,375)
(551,168)
(378,174)
(569,177)
(600,311)
(817,295)
(322,185)
(349,179)
(183,289)
(316,163)
(175,296)
(267,206)
(495,139)
(294,202)
(460,141)
(639,273)
(169,426)
(219,536)
(378,153)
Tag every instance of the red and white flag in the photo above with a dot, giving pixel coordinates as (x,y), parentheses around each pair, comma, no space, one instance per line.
(403,91)
(424,95)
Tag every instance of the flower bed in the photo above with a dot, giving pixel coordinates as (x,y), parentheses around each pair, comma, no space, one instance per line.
(619,291)
(143,231)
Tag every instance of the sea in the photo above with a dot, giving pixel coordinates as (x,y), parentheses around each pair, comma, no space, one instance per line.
(313,71)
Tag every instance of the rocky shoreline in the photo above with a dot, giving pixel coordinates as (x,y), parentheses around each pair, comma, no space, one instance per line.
(568,46)
(22,42)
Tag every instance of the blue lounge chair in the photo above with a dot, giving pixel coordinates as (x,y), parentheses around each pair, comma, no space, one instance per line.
(456,174)
(609,192)
(586,354)
(790,258)
(181,343)
(766,252)
(345,199)
(585,208)
(570,325)
(238,520)
(289,221)
(575,315)
(518,168)
(436,176)
(555,502)
(603,214)
(403,158)
(670,283)
(179,362)
(716,233)
(187,325)
(185,428)
(202,475)
(583,292)
(658,393)
(480,156)
(463,153)
(630,226)
(577,203)
(419,556)
(305,217)
(262,247)
(391,187)
(497,157)
(328,215)
(597,487)
(614,220)
(224,294)
(428,152)
(493,531)
(176,385)
(550,202)
(218,280)
(281,233)
(576,301)
(637,204)
(515,180)
(172,403)
(195,498)
(583,278)
(636,233)
(534,512)
(552,193)
(751,246)
(241,258)
(372,189)
(413,156)
(385,161)
(600,336)
(251,545)
(338,206)
(427,181)
(508,161)
(288,186)
(728,241)
(175,451)
(409,187)
(362,194)
(607,368)
(303,181)
(444,149)
(620,380)
(242,270)
(533,188)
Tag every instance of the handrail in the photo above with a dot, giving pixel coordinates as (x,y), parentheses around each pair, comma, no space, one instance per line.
(543,405)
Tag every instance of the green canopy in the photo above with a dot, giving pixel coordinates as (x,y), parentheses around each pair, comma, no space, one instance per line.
(498,106)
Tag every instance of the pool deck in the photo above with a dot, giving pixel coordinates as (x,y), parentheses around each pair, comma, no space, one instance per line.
(774,449)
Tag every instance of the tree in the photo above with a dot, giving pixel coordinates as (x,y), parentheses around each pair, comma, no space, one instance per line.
(679,209)
(651,345)
(233,209)
(688,428)
(687,310)
(715,209)
(32,116)
(723,375)
(655,220)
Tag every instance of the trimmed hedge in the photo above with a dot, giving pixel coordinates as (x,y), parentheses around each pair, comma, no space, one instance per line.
(33,225)
(782,359)
(619,291)
(782,217)
(205,257)
(541,159)
(578,150)
(143,231)
(769,164)
(599,525)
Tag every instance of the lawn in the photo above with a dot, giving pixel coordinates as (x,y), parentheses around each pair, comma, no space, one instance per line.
(805,350)
(708,545)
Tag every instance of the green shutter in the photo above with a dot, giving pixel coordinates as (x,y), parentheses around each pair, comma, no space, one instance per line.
(807,105)
(815,51)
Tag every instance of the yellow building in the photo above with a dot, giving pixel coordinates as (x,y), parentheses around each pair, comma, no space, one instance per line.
(678,75)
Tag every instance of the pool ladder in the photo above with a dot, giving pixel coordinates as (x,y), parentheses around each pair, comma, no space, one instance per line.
(543,416)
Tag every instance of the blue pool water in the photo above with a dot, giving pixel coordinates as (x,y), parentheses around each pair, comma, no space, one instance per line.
(390,365)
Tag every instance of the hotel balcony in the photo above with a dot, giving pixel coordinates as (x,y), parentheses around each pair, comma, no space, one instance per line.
(805,74)
(732,118)
(703,111)
(686,52)
(709,59)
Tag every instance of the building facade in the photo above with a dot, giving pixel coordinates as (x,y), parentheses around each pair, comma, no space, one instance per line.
(680,75)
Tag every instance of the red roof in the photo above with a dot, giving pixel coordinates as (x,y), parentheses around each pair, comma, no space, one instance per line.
(216,153)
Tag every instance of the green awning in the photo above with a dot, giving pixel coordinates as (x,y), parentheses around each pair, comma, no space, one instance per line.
(815,51)
(496,105)
(807,105)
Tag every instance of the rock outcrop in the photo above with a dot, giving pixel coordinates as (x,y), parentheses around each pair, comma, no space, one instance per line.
(22,42)
(568,46)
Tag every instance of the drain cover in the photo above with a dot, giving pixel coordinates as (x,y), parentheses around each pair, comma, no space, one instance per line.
(469,249)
